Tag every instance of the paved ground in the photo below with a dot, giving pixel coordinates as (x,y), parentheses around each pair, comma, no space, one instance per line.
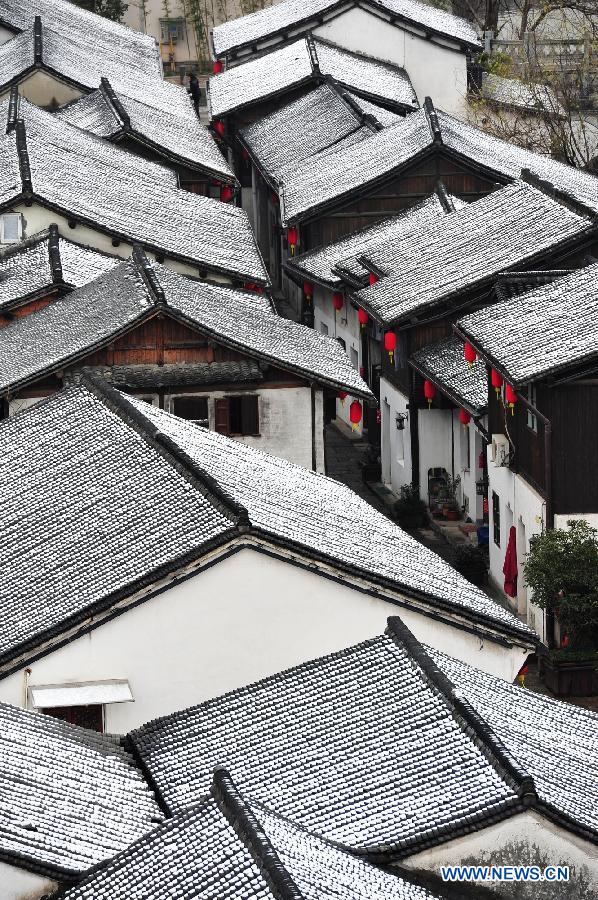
(343,456)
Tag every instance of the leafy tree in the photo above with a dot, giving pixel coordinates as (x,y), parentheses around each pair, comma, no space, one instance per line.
(110,9)
(562,570)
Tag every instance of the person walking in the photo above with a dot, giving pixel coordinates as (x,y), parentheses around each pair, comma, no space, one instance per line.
(195,91)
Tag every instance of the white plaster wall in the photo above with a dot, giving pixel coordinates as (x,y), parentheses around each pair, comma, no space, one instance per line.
(145,15)
(344,325)
(244,618)
(560,521)
(435,71)
(5,34)
(18,884)
(44,90)
(36,218)
(396,445)
(496,842)
(463,435)
(435,445)
(523,507)
(285,423)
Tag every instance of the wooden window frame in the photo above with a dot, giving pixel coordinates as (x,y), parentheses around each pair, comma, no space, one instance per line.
(249,418)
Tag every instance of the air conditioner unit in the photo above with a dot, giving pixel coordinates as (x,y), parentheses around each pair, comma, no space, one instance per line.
(501,450)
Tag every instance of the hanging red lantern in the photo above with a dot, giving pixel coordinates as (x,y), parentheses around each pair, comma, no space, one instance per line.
(496,380)
(510,398)
(521,675)
(219,127)
(226,193)
(308,289)
(274,197)
(342,395)
(217,67)
(482,460)
(565,641)
(469,354)
(337,301)
(390,343)
(252,286)
(464,417)
(429,392)
(373,278)
(362,317)
(292,239)
(355,414)
(362,371)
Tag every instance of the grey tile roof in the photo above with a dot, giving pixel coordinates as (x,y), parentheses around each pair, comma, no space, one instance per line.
(112,508)
(298,130)
(513,92)
(92,316)
(358,747)
(323,516)
(176,132)
(384,116)
(179,374)
(199,854)
(128,197)
(291,14)
(323,263)
(303,61)
(445,365)
(554,741)
(26,269)
(550,329)
(507,228)
(69,798)
(318,183)
(90,35)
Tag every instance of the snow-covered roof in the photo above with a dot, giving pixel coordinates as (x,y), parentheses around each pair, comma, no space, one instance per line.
(294,16)
(466,249)
(385,748)
(512,92)
(46,262)
(334,263)
(69,798)
(87,319)
(128,197)
(325,180)
(125,494)
(443,363)
(551,329)
(227,847)
(316,121)
(175,133)
(306,61)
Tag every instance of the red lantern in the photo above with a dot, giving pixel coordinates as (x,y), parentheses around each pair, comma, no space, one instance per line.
(308,289)
(373,278)
(510,398)
(252,286)
(429,392)
(469,354)
(217,67)
(390,343)
(342,396)
(219,127)
(496,380)
(274,197)
(355,414)
(464,417)
(292,239)
(363,317)
(362,371)
(226,193)
(521,675)
(482,460)
(565,641)
(337,301)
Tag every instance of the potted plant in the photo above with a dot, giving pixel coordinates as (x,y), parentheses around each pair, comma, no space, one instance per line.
(471,562)
(450,507)
(562,570)
(410,509)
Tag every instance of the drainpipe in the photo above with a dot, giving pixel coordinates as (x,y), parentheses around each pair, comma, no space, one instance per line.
(313,427)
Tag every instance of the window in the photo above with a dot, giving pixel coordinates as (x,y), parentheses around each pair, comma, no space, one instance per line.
(10,228)
(237,415)
(90,716)
(496,518)
(172,30)
(194,409)
(532,420)
(323,327)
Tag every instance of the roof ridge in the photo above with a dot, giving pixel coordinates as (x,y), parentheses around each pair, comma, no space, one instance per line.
(54,253)
(13,109)
(446,200)
(367,119)
(313,54)
(475,726)
(433,121)
(558,195)
(248,828)
(23,157)
(181,461)
(143,266)
(110,94)
(37,41)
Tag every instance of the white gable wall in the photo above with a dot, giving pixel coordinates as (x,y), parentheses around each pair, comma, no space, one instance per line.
(435,70)
(343,325)
(246,617)
(18,884)
(43,89)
